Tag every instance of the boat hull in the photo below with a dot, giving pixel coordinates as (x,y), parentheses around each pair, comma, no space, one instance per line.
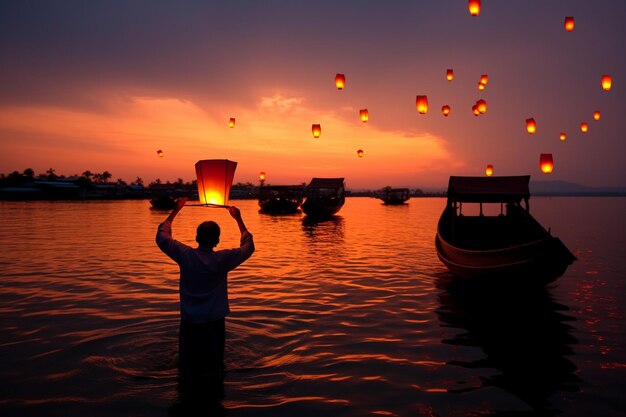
(279,206)
(323,207)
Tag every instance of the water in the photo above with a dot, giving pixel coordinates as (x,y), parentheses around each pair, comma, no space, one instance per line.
(350,317)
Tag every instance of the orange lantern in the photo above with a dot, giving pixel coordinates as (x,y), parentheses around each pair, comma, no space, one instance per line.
(475,110)
(262,176)
(569,23)
(317,130)
(546,163)
(481,86)
(489,170)
(474,7)
(364,114)
(231,123)
(606,82)
(484,79)
(482,106)
(584,127)
(596,115)
(160,153)
(360,153)
(531,125)
(215,177)
(562,136)
(445,110)
(421,103)
(449,74)
(340,81)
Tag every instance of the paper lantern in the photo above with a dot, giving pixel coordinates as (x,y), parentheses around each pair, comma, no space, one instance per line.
(481,86)
(484,79)
(474,7)
(482,106)
(569,23)
(606,82)
(215,177)
(317,130)
(449,74)
(262,176)
(360,153)
(364,115)
(340,81)
(489,170)
(596,115)
(421,103)
(160,153)
(562,136)
(475,110)
(546,163)
(231,123)
(584,127)
(445,110)
(531,126)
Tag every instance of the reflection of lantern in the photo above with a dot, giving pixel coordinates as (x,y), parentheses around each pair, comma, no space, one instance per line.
(340,81)
(596,115)
(262,176)
(360,153)
(489,170)
(215,177)
(364,114)
(445,110)
(474,7)
(531,125)
(317,130)
(569,23)
(584,127)
(562,136)
(484,79)
(481,86)
(231,123)
(449,74)
(421,103)
(482,106)
(546,163)
(606,82)
(160,153)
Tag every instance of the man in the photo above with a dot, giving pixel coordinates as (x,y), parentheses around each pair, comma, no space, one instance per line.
(203,291)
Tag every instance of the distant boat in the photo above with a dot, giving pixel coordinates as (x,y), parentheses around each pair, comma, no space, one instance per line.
(163,202)
(280,199)
(511,244)
(324,197)
(394,196)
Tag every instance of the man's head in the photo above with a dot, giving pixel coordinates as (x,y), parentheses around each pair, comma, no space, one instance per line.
(208,234)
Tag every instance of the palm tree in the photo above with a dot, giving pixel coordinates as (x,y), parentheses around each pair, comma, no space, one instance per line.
(138,181)
(106,176)
(87,175)
(29,173)
(51,174)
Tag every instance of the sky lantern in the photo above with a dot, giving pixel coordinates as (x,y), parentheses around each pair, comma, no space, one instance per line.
(445,110)
(317,130)
(562,136)
(531,125)
(231,122)
(489,170)
(569,23)
(215,177)
(482,106)
(484,79)
(475,110)
(546,163)
(596,115)
(449,74)
(340,81)
(262,177)
(360,153)
(606,82)
(481,86)
(421,103)
(584,127)
(364,115)
(160,153)
(474,7)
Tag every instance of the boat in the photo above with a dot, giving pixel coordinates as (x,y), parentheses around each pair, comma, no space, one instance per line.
(510,244)
(280,199)
(394,196)
(163,202)
(324,197)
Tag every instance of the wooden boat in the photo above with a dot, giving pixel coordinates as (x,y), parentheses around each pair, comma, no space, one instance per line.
(280,199)
(394,196)
(510,244)
(163,202)
(324,197)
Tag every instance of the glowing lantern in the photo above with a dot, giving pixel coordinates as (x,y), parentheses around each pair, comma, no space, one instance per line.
(484,79)
(546,163)
(449,74)
(474,7)
(364,114)
(231,123)
(475,110)
(531,126)
(215,177)
(569,23)
(606,82)
(317,130)
(562,136)
(360,153)
(160,153)
(482,106)
(584,127)
(445,110)
(262,176)
(340,81)
(489,170)
(421,103)
(596,115)
(481,86)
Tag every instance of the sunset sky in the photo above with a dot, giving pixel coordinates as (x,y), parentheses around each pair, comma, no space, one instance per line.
(103,85)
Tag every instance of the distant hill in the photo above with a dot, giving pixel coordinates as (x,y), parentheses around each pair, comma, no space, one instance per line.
(570,188)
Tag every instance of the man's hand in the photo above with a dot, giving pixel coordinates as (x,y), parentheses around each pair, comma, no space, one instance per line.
(180,203)
(234,212)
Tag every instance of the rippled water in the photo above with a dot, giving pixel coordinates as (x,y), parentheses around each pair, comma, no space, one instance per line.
(349,317)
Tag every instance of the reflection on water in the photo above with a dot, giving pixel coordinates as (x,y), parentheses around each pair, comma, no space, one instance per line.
(524,334)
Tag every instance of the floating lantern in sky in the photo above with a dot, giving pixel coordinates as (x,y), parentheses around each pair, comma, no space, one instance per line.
(531,125)
(596,115)
(160,153)
(231,122)
(584,127)
(481,86)
(445,110)
(449,74)
(482,106)
(215,177)
(489,170)
(360,153)
(262,176)
(474,7)
(340,81)
(364,115)
(562,136)
(421,103)
(546,163)
(475,110)
(484,79)
(606,82)
(317,130)
(569,23)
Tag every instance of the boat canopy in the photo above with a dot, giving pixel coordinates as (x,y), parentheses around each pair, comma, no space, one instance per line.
(511,189)
(326,183)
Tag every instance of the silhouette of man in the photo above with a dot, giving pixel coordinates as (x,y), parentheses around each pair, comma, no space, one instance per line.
(203,291)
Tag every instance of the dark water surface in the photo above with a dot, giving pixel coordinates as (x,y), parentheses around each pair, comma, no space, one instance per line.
(349,317)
